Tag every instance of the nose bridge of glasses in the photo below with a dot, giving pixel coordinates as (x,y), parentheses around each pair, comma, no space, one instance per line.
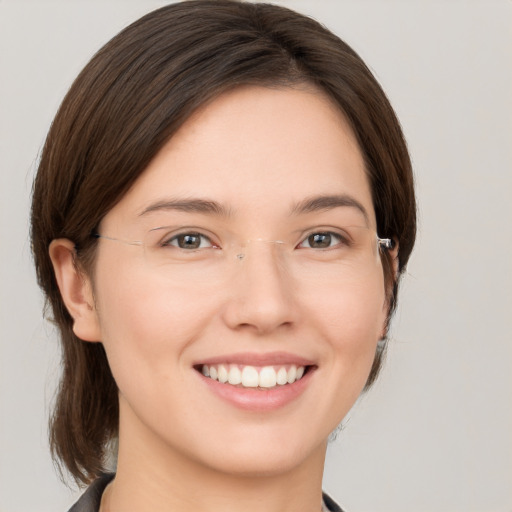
(243,249)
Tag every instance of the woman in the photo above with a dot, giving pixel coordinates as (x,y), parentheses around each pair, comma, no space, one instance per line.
(221,214)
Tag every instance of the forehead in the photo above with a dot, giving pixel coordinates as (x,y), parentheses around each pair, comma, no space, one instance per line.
(256,150)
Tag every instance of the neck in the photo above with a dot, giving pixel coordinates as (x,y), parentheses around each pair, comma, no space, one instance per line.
(156,478)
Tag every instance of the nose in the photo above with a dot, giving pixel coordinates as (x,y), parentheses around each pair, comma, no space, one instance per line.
(262,298)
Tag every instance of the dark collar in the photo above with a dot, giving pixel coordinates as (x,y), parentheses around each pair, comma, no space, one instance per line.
(91,499)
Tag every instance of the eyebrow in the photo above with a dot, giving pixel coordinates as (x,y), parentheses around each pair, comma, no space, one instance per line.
(205,206)
(210,207)
(329,202)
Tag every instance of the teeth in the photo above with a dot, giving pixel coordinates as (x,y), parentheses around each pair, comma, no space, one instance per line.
(222,374)
(282,377)
(253,377)
(268,377)
(291,374)
(250,377)
(235,375)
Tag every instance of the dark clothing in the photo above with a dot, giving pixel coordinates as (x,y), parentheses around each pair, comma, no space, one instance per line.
(91,499)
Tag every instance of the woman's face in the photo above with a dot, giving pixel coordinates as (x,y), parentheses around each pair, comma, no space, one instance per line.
(257,189)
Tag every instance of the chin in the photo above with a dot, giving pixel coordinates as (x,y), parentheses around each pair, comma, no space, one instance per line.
(264,463)
(263,452)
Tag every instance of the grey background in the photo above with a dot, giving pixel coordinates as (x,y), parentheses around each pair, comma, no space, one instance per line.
(435,433)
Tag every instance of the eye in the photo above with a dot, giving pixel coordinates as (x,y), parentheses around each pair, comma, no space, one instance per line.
(189,241)
(322,240)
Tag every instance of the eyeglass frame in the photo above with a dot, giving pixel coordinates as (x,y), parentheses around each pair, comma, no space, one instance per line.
(382,243)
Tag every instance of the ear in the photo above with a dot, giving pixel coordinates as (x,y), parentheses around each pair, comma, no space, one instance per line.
(393,253)
(75,289)
(393,263)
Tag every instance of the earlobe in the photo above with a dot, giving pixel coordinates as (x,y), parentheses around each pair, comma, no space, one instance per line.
(75,289)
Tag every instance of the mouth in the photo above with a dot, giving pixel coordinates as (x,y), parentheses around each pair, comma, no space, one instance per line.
(254,377)
(257,382)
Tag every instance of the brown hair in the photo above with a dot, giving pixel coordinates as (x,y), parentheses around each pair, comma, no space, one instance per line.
(131,97)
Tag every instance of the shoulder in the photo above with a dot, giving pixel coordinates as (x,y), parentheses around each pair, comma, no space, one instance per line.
(91,498)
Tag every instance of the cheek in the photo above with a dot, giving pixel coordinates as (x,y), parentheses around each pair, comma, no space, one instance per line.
(351,319)
(145,323)
(346,323)
(356,310)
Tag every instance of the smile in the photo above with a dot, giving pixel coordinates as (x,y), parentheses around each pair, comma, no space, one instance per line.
(247,376)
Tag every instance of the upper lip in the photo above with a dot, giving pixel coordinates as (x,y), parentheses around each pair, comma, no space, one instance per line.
(257,359)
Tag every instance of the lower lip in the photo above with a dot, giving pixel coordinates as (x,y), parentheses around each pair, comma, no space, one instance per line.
(257,399)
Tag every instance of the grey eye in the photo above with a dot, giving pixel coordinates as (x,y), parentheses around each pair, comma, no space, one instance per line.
(190,241)
(321,240)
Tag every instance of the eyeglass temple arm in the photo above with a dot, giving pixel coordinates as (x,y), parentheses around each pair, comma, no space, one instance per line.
(133,242)
(386,243)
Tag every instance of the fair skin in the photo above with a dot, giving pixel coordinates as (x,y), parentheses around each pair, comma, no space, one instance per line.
(185,442)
